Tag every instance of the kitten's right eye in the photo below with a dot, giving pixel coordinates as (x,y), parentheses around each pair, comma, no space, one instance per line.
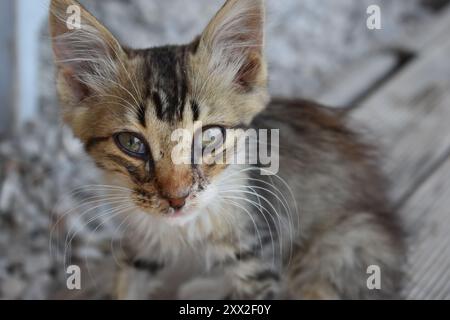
(213,134)
(131,144)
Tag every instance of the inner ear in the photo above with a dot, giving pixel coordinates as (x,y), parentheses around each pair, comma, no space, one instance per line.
(88,58)
(79,90)
(233,41)
(250,71)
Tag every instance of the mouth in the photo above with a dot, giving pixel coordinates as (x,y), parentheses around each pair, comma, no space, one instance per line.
(181,216)
(178,213)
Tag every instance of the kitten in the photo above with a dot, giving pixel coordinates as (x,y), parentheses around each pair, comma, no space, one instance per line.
(219,230)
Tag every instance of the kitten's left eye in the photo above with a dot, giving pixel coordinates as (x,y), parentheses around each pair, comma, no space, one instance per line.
(131,144)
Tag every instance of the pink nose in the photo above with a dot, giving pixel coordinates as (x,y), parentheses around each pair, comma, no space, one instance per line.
(177,203)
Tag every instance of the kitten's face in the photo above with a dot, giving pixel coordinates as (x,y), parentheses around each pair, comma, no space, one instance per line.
(125,105)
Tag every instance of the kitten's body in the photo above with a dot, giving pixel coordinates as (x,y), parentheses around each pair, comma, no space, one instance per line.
(311,231)
(342,226)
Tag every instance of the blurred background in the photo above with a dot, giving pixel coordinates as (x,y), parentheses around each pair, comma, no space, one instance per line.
(394,84)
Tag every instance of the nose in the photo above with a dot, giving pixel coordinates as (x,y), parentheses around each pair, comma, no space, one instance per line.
(177,203)
(174,183)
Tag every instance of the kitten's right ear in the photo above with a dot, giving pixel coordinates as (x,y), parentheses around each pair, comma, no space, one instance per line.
(86,54)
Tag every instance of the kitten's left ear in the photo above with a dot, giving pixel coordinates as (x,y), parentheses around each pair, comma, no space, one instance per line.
(233,43)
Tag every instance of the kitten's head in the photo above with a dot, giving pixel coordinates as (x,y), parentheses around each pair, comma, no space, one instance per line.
(125,104)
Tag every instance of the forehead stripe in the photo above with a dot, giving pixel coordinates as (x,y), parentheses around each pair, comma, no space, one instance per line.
(195,110)
(157,101)
(166,75)
(141,114)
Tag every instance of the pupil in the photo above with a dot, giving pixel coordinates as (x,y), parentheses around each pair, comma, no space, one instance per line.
(133,144)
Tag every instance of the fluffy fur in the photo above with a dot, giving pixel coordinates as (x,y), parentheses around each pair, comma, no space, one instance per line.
(309,232)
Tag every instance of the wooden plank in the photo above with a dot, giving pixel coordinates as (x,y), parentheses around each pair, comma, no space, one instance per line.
(430,34)
(348,86)
(7,78)
(409,117)
(427,219)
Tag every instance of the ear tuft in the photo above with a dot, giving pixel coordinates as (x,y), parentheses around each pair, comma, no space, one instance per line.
(234,42)
(86,53)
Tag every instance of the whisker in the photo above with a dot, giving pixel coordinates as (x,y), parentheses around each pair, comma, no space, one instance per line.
(121,238)
(101,199)
(283,203)
(250,216)
(285,184)
(264,216)
(106,213)
(95,230)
